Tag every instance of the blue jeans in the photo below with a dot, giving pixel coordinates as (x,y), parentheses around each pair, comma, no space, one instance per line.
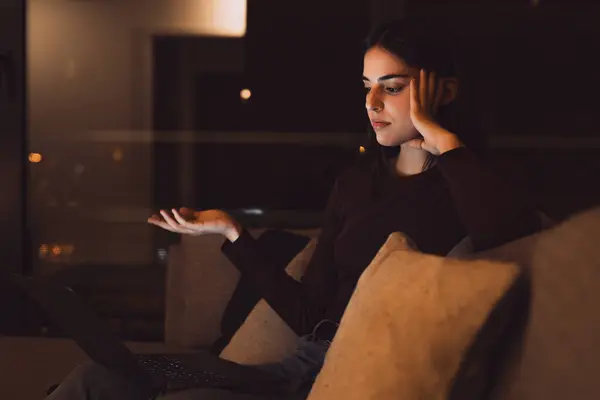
(301,369)
(94,382)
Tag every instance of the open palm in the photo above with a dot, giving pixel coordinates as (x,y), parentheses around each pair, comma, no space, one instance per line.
(196,223)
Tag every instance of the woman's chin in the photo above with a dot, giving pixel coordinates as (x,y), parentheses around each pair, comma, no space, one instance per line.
(387,141)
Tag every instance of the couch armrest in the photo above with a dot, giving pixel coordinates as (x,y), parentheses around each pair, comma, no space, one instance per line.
(199,284)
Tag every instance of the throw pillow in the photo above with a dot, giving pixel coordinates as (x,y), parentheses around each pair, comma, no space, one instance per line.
(410,325)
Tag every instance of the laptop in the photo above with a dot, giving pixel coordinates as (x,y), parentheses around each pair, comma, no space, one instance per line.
(152,374)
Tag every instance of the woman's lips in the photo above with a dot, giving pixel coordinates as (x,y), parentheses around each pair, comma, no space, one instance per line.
(379,124)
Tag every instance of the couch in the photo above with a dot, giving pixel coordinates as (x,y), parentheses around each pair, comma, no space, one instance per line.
(552,355)
(29,366)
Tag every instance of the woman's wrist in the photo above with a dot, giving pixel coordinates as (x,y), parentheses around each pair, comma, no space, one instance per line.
(448,143)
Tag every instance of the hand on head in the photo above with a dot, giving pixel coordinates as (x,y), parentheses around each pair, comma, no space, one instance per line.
(426,96)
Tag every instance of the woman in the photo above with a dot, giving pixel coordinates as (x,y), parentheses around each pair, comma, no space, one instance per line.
(419,179)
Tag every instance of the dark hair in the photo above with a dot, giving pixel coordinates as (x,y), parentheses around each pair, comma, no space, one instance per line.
(421,46)
(418,44)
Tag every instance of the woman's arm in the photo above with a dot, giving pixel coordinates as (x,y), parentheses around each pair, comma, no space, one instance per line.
(491,209)
(300,304)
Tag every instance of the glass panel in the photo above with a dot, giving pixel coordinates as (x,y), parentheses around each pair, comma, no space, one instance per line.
(90,123)
(140,105)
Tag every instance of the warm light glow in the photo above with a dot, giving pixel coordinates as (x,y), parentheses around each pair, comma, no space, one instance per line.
(68,249)
(118,154)
(53,252)
(245,94)
(35,157)
(228,17)
(44,249)
(362,149)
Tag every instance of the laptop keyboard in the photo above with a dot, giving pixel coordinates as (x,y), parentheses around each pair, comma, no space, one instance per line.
(177,374)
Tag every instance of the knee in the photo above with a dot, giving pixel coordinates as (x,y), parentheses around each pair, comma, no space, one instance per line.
(78,383)
(90,372)
(84,379)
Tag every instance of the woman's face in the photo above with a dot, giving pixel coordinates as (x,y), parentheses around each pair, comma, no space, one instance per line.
(387,78)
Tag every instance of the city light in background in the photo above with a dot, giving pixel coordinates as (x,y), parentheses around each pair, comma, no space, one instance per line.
(245,94)
(56,252)
(118,154)
(35,158)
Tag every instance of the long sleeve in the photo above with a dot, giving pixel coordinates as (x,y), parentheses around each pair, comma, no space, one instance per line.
(300,304)
(492,211)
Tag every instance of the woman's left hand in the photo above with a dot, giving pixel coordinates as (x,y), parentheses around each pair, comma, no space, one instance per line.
(425,98)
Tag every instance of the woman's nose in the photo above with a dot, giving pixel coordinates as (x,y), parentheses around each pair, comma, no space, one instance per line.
(373,101)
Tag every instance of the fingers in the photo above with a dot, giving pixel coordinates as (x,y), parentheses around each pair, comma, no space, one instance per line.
(438,97)
(168,219)
(161,224)
(176,223)
(431,92)
(426,92)
(156,220)
(414,97)
(153,219)
(173,224)
(180,219)
(423,95)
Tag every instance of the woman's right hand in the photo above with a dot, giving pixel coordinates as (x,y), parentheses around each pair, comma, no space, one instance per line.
(196,223)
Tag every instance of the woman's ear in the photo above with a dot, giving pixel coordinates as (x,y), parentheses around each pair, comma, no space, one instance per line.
(450,87)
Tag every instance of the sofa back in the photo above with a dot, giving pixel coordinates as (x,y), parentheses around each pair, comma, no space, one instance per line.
(555,354)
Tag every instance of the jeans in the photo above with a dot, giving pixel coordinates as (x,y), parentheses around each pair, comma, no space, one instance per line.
(94,382)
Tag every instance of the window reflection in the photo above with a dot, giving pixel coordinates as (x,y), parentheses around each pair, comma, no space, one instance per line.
(90,114)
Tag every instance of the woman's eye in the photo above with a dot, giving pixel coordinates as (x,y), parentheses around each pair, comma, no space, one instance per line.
(367,89)
(394,90)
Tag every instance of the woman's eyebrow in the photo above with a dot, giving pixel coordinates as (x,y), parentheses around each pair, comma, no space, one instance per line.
(387,77)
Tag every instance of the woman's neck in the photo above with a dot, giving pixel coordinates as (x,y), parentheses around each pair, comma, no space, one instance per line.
(410,161)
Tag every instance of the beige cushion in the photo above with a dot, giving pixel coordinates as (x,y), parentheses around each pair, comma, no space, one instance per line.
(264,337)
(409,324)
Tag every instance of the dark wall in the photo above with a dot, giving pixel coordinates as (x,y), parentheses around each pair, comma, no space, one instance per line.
(529,76)
(303,64)
(12,131)
(12,154)
(530,67)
